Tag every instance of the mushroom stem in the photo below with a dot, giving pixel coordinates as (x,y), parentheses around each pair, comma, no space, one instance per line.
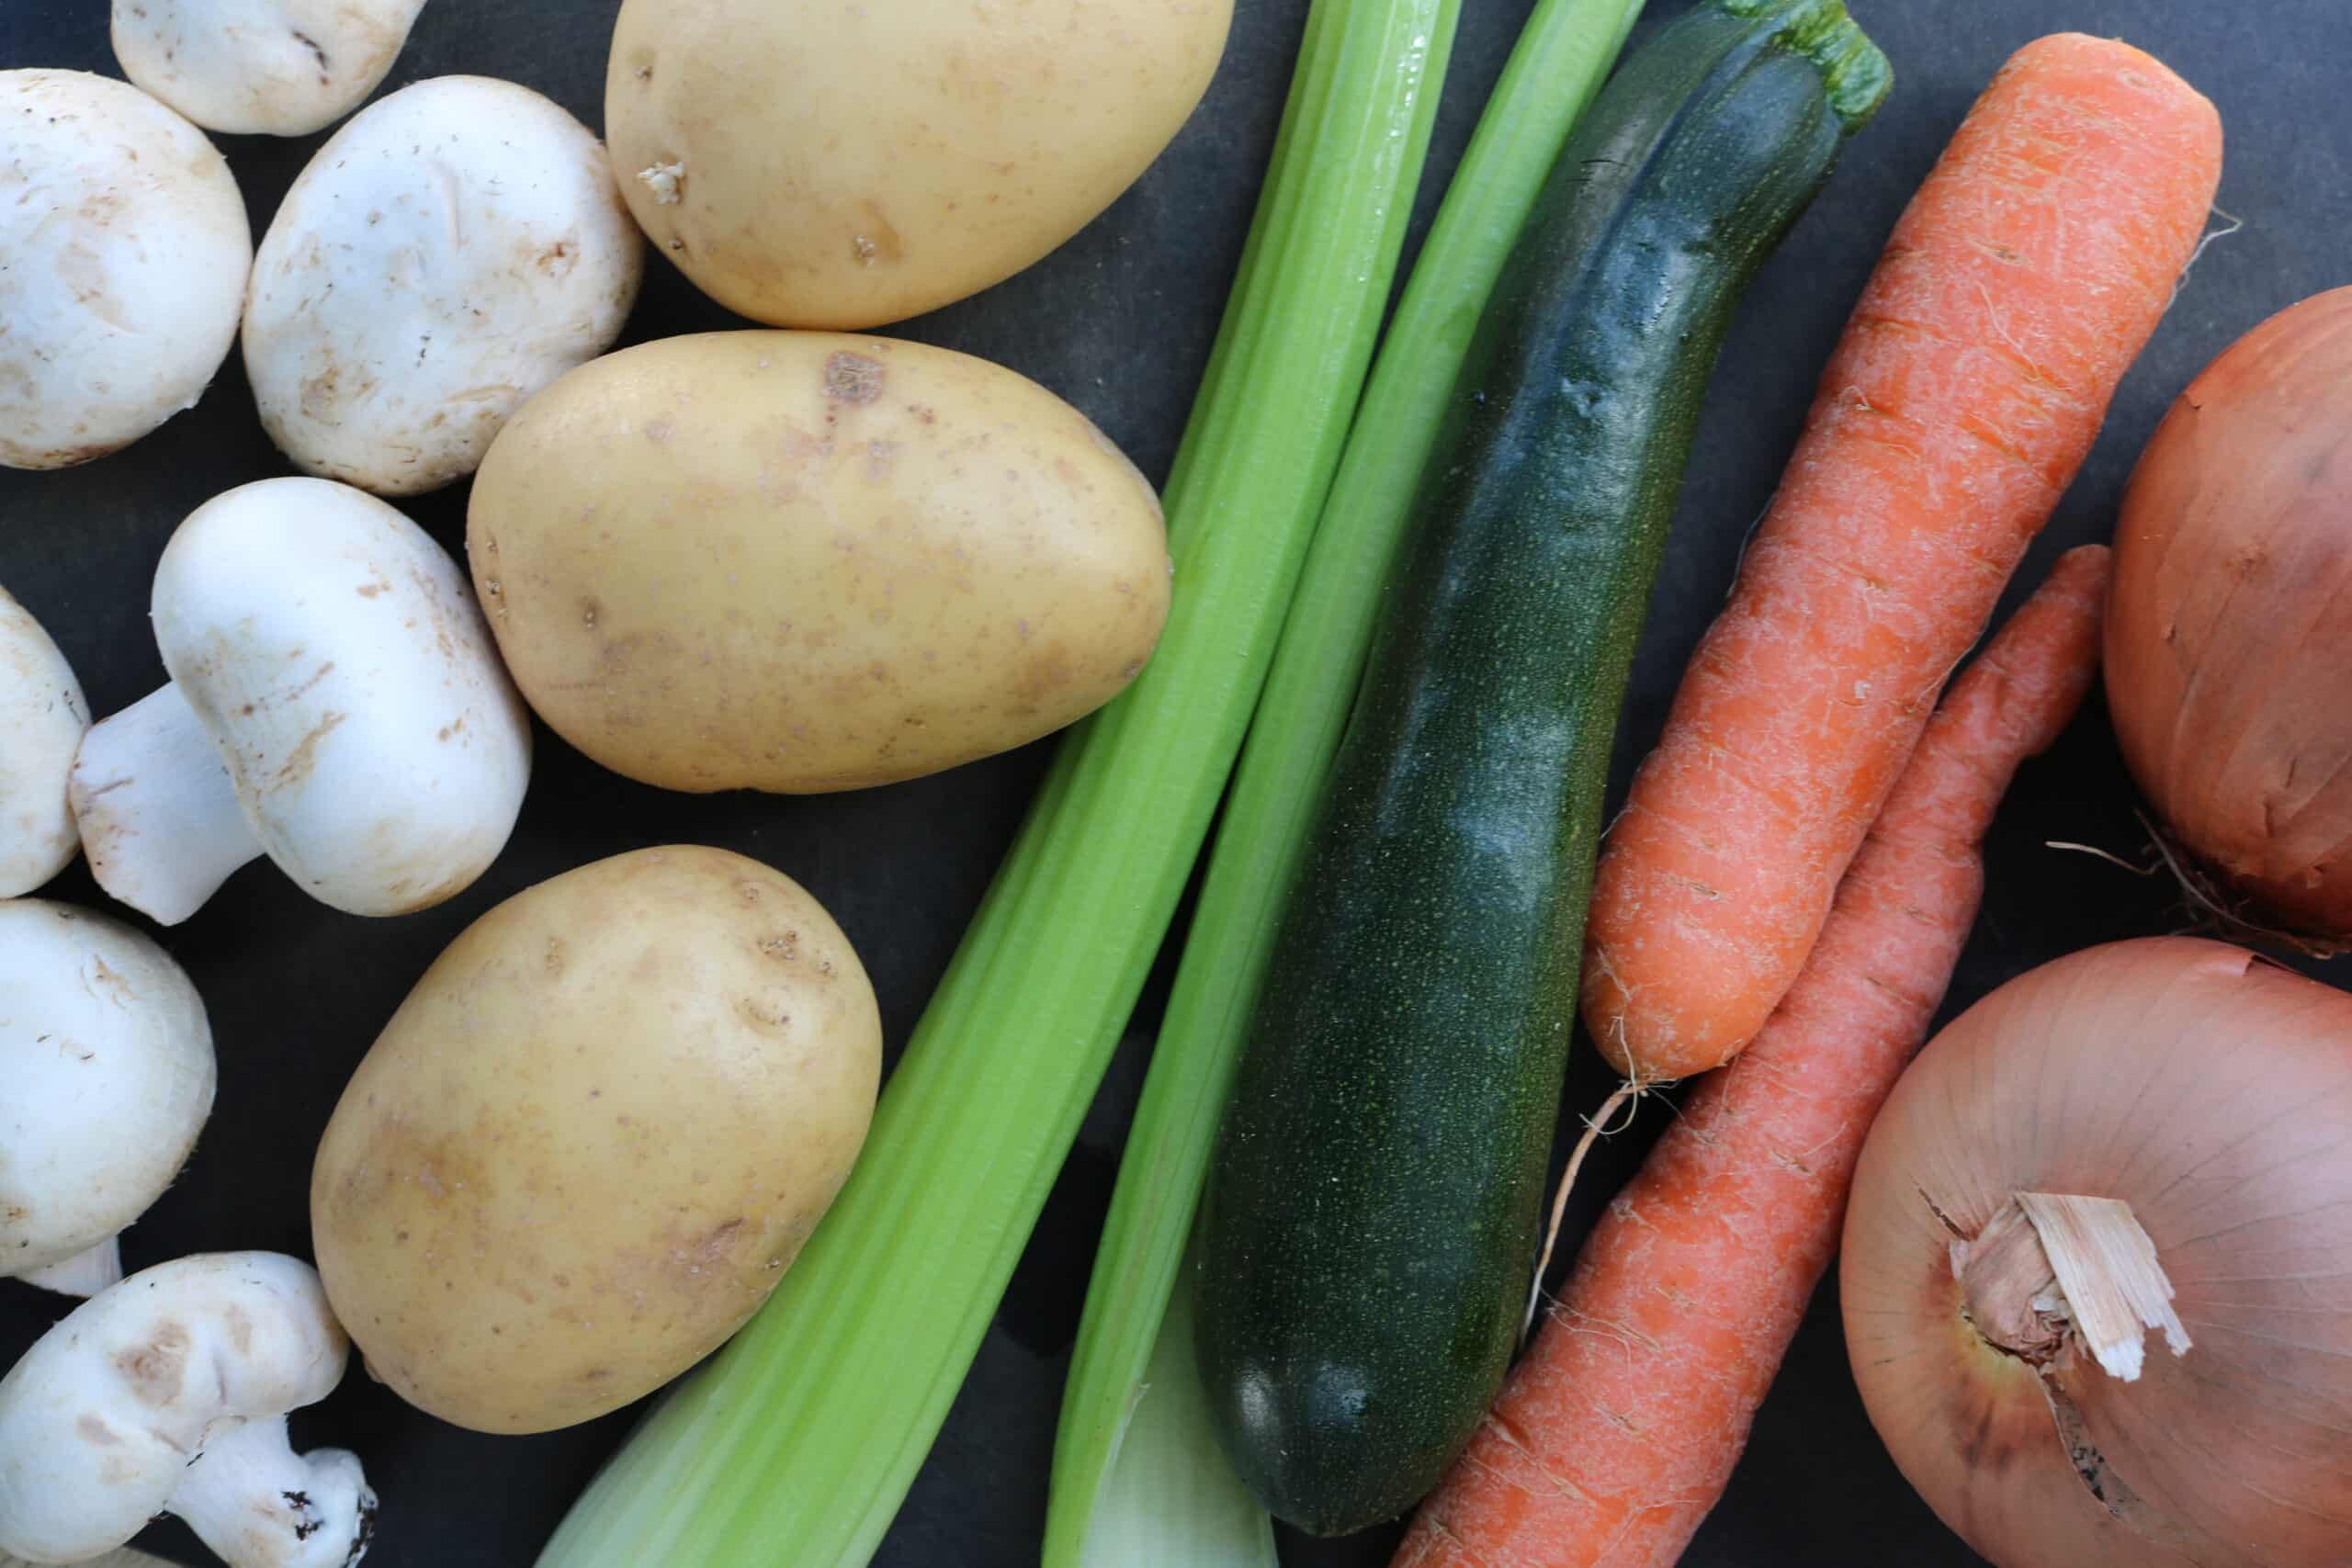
(2052,1269)
(84,1274)
(158,812)
(259,1504)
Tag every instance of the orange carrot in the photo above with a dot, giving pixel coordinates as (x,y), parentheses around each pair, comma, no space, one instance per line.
(1617,1432)
(1971,381)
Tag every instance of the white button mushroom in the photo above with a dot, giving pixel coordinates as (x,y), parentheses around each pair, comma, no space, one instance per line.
(276,67)
(42,714)
(123,257)
(335,702)
(454,249)
(108,1060)
(168,1393)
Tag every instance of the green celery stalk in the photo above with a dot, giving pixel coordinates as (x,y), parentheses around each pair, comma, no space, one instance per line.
(1563,55)
(797,1443)
(1172,1501)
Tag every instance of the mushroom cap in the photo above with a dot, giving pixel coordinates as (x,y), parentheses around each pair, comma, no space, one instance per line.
(337,655)
(108,1060)
(272,67)
(43,716)
(101,1418)
(127,252)
(452,250)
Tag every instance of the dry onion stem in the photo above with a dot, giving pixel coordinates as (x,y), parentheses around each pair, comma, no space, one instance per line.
(2053,1269)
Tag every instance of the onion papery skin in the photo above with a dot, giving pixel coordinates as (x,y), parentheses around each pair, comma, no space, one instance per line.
(2229,632)
(2212,1092)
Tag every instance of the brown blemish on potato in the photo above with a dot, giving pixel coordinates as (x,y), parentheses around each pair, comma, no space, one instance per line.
(554,961)
(763,1014)
(153,1369)
(876,239)
(853,377)
(710,1252)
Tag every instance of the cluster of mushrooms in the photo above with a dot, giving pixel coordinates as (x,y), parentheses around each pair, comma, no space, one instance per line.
(104,1043)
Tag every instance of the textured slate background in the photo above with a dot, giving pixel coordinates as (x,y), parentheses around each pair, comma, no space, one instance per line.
(1119,322)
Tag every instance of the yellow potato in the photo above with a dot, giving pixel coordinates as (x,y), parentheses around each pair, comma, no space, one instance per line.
(595,1136)
(802,561)
(815,164)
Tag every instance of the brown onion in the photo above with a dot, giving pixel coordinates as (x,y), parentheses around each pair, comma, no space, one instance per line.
(2211,1094)
(2229,632)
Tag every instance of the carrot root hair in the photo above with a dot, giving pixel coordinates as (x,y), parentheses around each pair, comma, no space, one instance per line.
(2234,224)
(1623,1104)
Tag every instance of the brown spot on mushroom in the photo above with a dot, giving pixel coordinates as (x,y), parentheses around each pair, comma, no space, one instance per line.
(299,762)
(241,1329)
(853,377)
(319,392)
(90,1428)
(153,1368)
(321,673)
(105,975)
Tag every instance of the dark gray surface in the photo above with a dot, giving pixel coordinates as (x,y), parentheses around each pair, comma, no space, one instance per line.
(1119,322)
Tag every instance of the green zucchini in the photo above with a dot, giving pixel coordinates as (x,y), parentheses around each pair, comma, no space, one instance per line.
(1373,1209)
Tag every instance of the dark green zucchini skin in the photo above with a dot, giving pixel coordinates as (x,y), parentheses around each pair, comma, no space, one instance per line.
(1372,1216)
